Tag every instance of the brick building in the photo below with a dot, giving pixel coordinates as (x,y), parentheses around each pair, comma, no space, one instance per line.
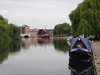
(34,32)
(25,30)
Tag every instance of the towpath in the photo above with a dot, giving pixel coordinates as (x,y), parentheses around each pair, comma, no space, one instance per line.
(96,56)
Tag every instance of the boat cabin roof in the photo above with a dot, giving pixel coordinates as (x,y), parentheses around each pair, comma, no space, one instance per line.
(83,42)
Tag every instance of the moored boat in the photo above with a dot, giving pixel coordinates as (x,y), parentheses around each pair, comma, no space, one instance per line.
(80,67)
(43,34)
(80,48)
(69,40)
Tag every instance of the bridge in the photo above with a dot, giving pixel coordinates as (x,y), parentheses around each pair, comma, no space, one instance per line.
(33,33)
(25,35)
(26,32)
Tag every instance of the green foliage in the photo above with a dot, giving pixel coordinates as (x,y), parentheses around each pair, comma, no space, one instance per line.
(60,45)
(8,31)
(14,31)
(8,47)
(84,28)
(61,29)
(86,18)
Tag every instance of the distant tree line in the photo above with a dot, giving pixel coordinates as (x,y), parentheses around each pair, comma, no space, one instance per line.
(62,29)
(86,18)
(8,31)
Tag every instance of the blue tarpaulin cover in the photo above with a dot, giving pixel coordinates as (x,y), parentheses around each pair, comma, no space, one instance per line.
(84,40)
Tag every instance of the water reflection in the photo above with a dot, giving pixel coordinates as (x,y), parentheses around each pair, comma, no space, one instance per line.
(61,45)
(32,58)
(26,43)
(43,41)
(9,47)
(54,60)
(81,67)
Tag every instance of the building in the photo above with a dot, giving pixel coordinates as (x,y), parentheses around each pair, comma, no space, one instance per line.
(50,31)
(34,33)
(25,31)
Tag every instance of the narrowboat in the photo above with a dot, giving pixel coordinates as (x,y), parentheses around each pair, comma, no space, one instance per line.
(80,48)
(80,67)
(43,34)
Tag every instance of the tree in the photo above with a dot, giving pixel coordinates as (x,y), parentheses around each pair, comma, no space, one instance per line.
(61,29)
(86,15)
(14,31)
(84,28)
(8,31)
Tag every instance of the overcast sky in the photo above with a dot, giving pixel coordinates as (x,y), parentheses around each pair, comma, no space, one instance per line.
(37,13)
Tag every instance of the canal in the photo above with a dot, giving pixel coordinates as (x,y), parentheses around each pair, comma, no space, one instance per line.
(40,57)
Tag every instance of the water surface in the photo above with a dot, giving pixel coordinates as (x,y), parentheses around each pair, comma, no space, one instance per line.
(40,57)
(34,57)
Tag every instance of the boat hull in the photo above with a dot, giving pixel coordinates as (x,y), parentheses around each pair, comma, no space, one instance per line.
(44,36)
(80,67)
(80,54)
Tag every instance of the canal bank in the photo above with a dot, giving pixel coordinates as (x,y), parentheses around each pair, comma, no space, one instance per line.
(96,56)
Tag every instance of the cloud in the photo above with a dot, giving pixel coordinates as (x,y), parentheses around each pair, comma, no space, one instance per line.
(37,13)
